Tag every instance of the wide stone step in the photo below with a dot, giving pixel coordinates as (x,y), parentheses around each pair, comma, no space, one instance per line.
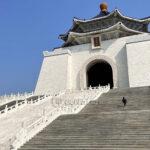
(115,136)
(106,137)
(81,141)
(85,149)
(76,146)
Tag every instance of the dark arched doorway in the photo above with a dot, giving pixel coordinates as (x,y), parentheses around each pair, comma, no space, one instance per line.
(100,73)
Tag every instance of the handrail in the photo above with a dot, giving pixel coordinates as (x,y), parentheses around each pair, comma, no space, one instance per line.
(13,97)
(33,124)
(8,109)
(20,104)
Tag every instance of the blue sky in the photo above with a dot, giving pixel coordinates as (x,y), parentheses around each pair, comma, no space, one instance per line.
(28,27)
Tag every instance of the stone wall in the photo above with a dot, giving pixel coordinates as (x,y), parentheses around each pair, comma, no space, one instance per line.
(54,75)
(138,53)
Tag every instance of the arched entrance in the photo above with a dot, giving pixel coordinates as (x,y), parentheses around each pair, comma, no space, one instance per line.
(99,73)
(91,62)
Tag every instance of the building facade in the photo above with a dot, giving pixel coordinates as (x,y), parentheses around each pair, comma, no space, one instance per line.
(107,49)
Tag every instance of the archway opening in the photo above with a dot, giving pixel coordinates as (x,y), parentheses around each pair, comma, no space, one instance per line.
(100,73)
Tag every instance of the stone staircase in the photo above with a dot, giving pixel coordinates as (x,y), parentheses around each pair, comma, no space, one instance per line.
(102,125)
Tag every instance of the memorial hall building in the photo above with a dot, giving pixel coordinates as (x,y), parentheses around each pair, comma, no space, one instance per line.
(93,92)
(108,49)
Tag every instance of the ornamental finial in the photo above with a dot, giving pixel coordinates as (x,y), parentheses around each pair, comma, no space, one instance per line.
(104,7)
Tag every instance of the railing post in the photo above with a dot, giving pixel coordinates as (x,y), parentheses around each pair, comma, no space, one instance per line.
(25,101)
(16,104)
(90,87)
(18,94)
(44,96)
(23,133)
(99,86)
(6,109)
(32,101)
(39,98)
(44,115)
(25,94)
(11,95)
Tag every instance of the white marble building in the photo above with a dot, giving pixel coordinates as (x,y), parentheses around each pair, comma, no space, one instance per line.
(107,49)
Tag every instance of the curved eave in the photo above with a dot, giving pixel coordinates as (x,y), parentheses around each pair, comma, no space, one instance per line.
(65,36)
(115,12)
(117,26)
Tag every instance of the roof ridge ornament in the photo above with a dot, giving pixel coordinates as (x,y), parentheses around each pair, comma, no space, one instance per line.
(104,7)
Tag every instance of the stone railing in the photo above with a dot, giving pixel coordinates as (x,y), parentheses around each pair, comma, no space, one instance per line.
(14,97)
(107,87)
(26,133)
(76,105)
(61,108)
(21,104)
(8,109)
